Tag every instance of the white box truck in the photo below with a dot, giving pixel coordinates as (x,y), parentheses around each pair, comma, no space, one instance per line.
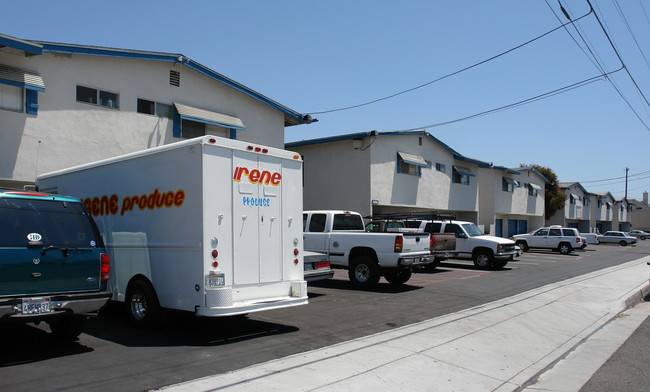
(207,225)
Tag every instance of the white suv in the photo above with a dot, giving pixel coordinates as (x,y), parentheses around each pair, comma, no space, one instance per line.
(562,239)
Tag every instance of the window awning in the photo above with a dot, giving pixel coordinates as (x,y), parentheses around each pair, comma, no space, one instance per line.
(21,78)
(575,197)
(465,171)
(535,186)
(510,181)
(413,159)
(209,117)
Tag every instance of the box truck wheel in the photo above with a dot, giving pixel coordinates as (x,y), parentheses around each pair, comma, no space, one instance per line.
(142,305)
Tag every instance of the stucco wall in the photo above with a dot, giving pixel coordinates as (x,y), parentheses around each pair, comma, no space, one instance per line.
(336,176)
(72,133)
(433,189)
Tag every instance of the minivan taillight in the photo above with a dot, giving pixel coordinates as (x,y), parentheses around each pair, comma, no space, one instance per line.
(399,244)
(105,267)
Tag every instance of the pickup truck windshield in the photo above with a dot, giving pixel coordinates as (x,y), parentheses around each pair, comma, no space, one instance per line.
(472,230)
(347,222)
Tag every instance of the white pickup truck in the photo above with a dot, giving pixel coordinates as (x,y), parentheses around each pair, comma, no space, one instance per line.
(366,256)
(485,250)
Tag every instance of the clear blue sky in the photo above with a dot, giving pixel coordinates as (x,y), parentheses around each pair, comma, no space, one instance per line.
(319,56)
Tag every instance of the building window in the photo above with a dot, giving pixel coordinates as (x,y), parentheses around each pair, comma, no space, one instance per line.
(441,167)
(191,129)
(407,168)
(507,185)
(154,108)
(460,178)
(98,97)
(11,97)
(532,191)
(410,164)
(420,140)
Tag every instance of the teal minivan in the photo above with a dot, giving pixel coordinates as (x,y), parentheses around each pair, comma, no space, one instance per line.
(53,263)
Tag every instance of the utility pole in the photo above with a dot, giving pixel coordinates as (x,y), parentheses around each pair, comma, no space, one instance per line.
(626,170)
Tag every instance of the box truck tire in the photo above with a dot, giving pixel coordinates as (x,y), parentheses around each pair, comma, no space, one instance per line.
(142,306)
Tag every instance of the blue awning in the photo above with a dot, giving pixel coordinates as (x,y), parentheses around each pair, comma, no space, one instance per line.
(510,181)
(413,159)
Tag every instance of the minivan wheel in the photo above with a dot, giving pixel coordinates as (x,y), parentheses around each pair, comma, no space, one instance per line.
(564,248)
(523,245)
(142,305)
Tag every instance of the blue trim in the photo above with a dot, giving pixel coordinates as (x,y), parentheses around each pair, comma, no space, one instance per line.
(22,85)
(176,117)
(233,133)
(31,102)
(20,44)
(464,172)
(360,135)
(522,169)
(172,58)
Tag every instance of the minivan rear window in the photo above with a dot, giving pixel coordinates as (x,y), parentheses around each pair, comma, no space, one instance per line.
(57,223)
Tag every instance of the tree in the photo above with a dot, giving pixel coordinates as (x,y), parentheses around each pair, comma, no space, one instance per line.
(554,197)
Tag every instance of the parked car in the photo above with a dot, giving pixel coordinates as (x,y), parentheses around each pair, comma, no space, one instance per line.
(562,239)
(317,266)
(617,237)
(591,238)
(485,250)
(443,245)
(640,234)
(54,264)
(367,256)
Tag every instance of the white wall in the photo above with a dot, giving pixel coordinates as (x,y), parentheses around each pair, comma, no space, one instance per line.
(73,133)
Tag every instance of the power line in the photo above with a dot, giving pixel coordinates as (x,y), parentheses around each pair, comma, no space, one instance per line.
(453,73)
(522,102)
(616,178)
(629,29)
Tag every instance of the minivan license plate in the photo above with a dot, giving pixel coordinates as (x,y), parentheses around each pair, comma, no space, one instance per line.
(36,305)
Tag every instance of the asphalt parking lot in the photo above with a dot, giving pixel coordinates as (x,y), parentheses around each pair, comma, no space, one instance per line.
(111,355)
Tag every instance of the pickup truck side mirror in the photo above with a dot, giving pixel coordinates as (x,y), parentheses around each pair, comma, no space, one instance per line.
(461,235)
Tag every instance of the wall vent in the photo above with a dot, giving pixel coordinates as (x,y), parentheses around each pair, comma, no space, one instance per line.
(174,78)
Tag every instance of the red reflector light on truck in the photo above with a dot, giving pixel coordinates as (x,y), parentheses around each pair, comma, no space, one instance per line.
(432,242)
(105,267)
(399,244)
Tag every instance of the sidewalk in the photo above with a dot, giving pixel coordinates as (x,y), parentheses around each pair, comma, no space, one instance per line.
(534,341)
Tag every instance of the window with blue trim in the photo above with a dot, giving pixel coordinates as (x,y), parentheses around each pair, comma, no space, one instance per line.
(407,168)
(460,178)
(11,97)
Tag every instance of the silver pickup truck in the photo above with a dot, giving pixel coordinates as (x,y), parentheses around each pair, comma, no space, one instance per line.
(367,256)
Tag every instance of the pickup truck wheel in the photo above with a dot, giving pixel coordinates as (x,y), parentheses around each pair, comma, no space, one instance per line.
(499,264)
(364,272)
(142,305)
(398,276)
(67,328)
(564,248)
(483,259)
(623,243)
(523,245)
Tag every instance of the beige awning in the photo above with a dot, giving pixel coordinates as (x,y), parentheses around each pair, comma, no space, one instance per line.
(21,78)
(413,159)
(207,116)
